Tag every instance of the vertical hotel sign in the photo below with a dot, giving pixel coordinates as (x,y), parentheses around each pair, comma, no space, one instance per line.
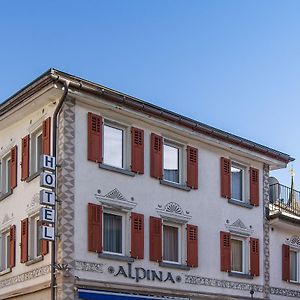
(47,197)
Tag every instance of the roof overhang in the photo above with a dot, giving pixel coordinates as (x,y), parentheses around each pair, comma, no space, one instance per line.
(278,159)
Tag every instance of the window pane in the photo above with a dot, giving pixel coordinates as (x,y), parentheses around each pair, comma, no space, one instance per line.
(8,172)
(170,248)
(171,163)
(293,266)
(112,240)
(7,251)
(236,183)
(113,146)
(38,241)
(38,152)
(236,255)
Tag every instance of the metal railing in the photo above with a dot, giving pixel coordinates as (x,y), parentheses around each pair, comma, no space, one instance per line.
(284,200)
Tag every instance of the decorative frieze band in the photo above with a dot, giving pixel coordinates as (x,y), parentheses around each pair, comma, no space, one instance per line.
(284,292)
(25,276)
(199,280)
(88,266)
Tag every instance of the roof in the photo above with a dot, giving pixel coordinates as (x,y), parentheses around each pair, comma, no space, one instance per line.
(53,75)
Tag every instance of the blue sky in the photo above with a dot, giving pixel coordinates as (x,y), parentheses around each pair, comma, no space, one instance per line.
(231,64)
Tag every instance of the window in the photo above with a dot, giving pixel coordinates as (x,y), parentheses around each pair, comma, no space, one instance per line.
(36,151)
(171,163)
(113,146)
(171,243)
(294,266)
(35,242)
(113,233)
(237,255)
(5,253)
(237,182)
(5,175)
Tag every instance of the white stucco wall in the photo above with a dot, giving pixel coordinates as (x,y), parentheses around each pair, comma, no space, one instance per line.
(24,200)
(208,210)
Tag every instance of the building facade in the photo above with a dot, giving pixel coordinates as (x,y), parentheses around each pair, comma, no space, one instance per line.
(150,204)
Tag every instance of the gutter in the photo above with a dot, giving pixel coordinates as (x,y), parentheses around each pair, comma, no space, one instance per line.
(54,153)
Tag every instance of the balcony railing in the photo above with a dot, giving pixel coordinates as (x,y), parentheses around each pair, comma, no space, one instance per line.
(284,200)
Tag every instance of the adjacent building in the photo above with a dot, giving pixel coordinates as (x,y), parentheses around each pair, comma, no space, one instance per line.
(149,203)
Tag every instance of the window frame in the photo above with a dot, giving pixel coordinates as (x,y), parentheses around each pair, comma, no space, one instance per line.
(5,174)
(180,147)
(125,142)
(245,254)
(180,242)
(245,178)
(5,250)
(123,237)
(34,241)
(297,264)
(34,159)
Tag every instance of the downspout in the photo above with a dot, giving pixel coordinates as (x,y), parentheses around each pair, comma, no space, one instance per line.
(54,148)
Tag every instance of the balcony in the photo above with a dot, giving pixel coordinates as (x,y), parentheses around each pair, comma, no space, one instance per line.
(284,204)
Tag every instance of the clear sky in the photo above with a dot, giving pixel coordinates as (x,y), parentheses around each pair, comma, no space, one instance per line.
(231,64)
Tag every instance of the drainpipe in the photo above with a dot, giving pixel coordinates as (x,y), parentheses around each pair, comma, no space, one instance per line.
(54,147)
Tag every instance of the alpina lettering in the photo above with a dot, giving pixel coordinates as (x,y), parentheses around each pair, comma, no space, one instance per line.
(139,274)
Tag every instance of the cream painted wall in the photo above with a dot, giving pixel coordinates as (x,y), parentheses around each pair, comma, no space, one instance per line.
(208,210)
(22,202)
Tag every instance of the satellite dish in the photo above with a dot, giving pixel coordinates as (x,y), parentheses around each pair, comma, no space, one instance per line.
(273,180)
(275,189)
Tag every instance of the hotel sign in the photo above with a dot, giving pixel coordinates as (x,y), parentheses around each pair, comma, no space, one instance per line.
(47,197)
(139,274)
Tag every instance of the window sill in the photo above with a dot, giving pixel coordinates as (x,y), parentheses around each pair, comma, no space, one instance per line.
(115,169)
(34,260)
(115,257)
(240,275)
(6,271)
(32,176)
(294,282)
(240,203)
(3,196)
(174,266)
(175,185)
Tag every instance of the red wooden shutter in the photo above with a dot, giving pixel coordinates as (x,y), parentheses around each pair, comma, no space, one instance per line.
(254,257)
(25,158)
(156,156)
(94,137)
(12,246)
(225,250)
(254,186)
(137,150)
(137,235)
(192,167)
(285,262)
(44,247)
(94,227)
(46,136)
(13,167)
(192,245)
(155,239)
(225,177)
(24,240)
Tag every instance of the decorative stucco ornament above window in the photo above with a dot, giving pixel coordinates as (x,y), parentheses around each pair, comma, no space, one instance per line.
(294,242)
(34,205)
(239,228)
(6,221)
(173,212)
(114,199)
